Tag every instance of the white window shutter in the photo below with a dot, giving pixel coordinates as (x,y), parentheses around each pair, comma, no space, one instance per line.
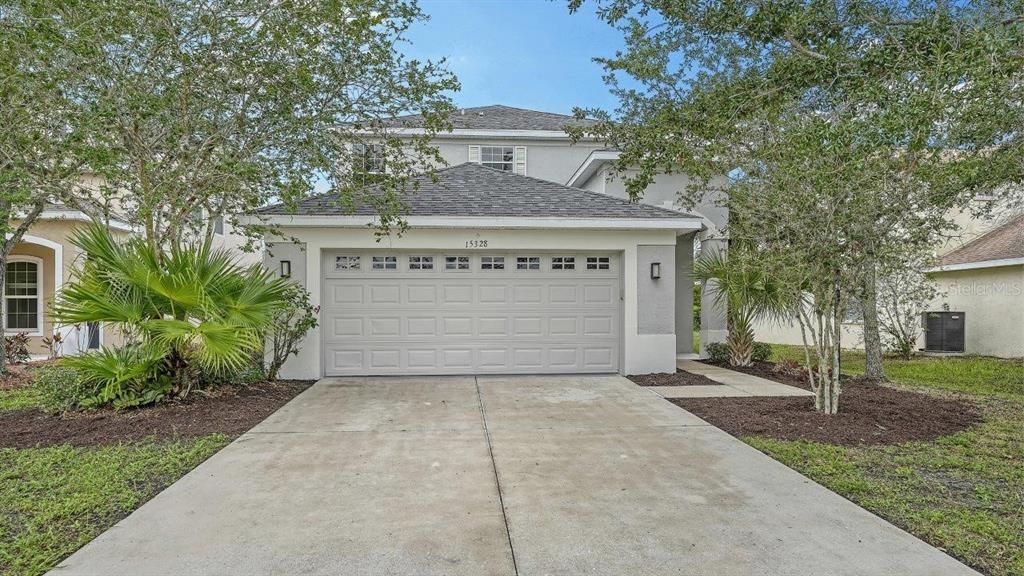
(474,154)
(520,160)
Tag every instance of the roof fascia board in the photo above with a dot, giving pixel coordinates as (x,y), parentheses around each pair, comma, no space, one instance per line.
(976,265)
(509,222)
(594,161)
(481,133)
(79,216)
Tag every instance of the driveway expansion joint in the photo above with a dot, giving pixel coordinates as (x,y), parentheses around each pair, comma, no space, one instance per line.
(497,479)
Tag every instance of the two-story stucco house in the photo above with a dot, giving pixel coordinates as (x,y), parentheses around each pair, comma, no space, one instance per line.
(523,258)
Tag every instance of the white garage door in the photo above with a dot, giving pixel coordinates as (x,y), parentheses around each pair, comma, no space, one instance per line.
(470,313)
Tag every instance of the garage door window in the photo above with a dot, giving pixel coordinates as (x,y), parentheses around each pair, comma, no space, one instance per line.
(456,262)
(563,263)
(421,262)
(346,263)
(597,263)
(492,263)
(528,263)
(385,262)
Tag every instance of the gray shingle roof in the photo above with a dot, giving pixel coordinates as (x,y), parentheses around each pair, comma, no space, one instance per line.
(1006,241)
(475,190)
(498,117)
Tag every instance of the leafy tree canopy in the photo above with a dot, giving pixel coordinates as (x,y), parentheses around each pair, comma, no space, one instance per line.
(208,110)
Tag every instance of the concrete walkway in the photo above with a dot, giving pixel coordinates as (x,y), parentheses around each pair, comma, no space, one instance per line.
(497,476)
(732,384)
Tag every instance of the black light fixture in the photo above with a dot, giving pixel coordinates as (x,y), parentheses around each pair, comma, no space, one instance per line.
(286,268)
(655,270)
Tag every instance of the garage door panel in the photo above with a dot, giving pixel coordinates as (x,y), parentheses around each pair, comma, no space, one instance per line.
(421,326)
(385,359)
(493,358)
(384,294)
(461,293)
(563,326)
(528,358)
(459,358)
(421,294)
(493,294)
(437,321)
(492,326)
(422,359)
(526,326)
(598,357)
(345,327)
(457,327)
(598,326)
(346,295)
(597,294)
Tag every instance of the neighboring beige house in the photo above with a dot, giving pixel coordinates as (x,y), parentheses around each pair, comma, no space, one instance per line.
(36,269)
(980,309)
(40,265)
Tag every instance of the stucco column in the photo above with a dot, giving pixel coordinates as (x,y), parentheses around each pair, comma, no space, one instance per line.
(684,294)
(712,316)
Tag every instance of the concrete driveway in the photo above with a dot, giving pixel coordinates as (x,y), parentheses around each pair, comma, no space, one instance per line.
(497,475)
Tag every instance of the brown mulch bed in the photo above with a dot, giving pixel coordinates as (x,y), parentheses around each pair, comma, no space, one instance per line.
(229,410)
(679,378)
(869,413)
(17,376)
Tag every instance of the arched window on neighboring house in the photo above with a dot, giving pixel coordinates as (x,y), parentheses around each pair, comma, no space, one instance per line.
(23,295)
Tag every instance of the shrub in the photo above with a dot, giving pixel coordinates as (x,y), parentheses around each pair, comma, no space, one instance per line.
(16,348)
(62,388)
(718,352)
(762,352)
(122,377)
(289,326)
(194,313)
(249,374)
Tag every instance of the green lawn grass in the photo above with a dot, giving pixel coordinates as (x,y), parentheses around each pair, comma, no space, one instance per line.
(53,500)
(18,398)
(979,375)
(963,493)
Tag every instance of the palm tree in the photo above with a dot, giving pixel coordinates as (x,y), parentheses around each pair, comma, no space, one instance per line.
(192,309)
(748,291)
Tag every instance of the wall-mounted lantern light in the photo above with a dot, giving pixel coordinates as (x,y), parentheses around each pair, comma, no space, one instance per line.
(655,270)
(286,268)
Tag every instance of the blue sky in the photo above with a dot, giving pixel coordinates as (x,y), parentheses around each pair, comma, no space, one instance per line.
(524,53)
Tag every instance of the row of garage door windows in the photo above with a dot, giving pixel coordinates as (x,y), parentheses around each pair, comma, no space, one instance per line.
(463,263)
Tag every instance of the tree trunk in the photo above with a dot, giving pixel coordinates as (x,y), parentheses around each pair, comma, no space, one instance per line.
(7,212)
(741,344)
(3,342)
(872,340)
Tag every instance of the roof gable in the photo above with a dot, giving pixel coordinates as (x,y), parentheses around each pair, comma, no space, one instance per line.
(1004,242)
(478,191)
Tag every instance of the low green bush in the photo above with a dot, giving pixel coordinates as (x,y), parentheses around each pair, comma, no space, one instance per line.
(62,388)
(121,377)
(718,352)
(762,352)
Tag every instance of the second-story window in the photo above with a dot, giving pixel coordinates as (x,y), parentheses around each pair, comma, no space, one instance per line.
(368,158)
(500,157)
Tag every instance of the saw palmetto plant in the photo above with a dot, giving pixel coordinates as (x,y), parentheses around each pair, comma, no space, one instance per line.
(188,311)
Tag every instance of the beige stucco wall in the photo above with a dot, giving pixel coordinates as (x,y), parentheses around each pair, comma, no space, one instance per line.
(991,298)
(993,301)
(788,332)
